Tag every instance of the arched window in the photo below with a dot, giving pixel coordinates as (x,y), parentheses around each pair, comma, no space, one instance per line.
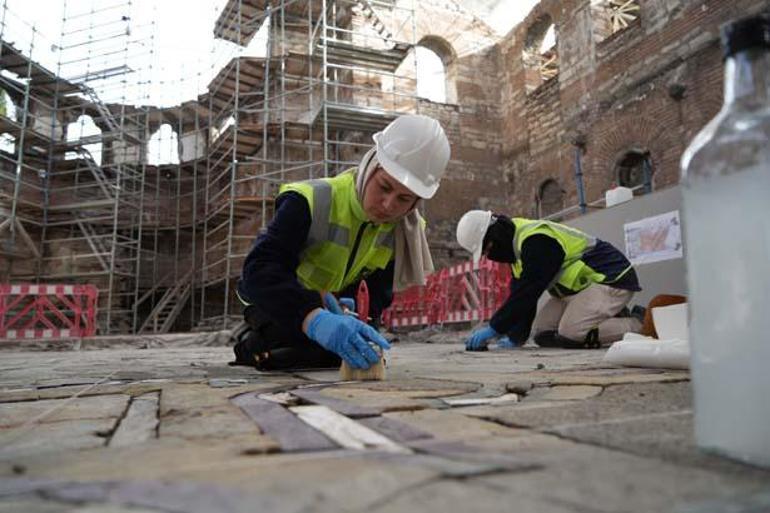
(613,16)
(163,147)
(431,75)
(634,170)
(541,57)
(550,198)
(85,132)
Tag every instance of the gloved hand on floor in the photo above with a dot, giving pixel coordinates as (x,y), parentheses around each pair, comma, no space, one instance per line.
(506,343)
(348,337)
(480,338)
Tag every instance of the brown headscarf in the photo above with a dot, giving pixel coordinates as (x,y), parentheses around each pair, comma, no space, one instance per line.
(412,254)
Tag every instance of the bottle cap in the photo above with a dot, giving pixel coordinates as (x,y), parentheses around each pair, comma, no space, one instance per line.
(746,33)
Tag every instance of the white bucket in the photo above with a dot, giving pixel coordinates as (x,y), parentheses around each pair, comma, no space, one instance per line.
(617,195)
(671,322)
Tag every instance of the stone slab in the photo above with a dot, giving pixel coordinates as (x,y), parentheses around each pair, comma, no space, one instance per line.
(345,407)
(564,392)
(157,459)
(450,425)
(222,421)
(382,400)
(140,422)
(56,410)
(395,429)
(600,377)
(615,402)
(54,437)
(197,397)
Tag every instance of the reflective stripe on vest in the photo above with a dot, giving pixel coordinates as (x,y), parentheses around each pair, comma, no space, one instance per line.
(334,226)
(574,275)
(321,229)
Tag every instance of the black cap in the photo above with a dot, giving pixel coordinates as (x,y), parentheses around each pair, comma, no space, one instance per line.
(746,33)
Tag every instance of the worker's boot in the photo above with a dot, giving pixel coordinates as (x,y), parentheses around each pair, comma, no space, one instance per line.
(548,338)
(297,358)
(553,339)
(251,351)
(592,339)
(247,349)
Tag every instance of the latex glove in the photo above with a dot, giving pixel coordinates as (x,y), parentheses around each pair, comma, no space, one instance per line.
(506,343)
(480,338)
(349,303)
(331,304)
(348,337)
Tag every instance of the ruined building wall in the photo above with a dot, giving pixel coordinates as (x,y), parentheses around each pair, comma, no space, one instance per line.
(647,88)
(470,117)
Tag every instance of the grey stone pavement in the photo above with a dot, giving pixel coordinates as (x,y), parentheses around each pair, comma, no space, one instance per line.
(163,424)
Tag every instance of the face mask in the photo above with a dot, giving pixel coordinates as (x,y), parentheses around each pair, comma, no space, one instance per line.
(500,234)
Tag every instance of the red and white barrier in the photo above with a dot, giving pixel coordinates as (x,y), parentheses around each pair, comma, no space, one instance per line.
(30,311)
(456,294)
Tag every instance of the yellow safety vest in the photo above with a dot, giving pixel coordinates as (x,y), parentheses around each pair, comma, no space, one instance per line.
(575,275)
(339,227)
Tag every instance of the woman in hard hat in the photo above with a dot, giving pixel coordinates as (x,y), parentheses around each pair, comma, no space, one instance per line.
(326,236)
(589,282)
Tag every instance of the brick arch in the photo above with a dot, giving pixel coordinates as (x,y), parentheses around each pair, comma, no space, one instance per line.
(464,33)
(549,197)
(440,47)
(637,134)
(446,52)
(627,168)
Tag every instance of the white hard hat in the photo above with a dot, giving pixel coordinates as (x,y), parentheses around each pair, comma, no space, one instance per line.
(471,231)
(414,150)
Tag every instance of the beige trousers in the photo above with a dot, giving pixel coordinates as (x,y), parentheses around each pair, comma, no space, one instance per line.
(574,316)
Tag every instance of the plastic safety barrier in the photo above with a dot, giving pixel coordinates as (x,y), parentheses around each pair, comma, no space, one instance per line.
(455,294)
(47,311)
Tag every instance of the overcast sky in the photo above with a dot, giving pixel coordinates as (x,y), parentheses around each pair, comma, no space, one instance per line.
(167,44)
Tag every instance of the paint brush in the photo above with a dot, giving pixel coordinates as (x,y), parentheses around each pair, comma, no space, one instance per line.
(374,373)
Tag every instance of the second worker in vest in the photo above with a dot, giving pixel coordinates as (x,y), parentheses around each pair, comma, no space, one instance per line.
(589,282)
(326,236)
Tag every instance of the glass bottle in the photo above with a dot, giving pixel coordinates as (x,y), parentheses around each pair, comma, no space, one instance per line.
(726,203)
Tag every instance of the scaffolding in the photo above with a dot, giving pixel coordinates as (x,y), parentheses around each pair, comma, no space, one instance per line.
(83,201)
(78,179)
(332,75)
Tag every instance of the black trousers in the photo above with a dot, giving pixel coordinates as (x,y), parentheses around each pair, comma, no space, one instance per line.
(267,345)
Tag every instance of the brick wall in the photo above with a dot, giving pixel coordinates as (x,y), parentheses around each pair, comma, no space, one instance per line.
(650,87)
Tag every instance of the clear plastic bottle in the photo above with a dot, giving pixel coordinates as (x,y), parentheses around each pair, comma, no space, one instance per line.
(726,197)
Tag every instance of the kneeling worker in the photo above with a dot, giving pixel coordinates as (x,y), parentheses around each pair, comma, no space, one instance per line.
(329,234)
(589,282)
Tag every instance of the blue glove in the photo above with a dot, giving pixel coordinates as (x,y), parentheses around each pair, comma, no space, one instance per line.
(348,337)
(480,338)
(349,303)
(506,343)
(331,304)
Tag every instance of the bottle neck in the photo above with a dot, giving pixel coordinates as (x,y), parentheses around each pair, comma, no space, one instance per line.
(747,78)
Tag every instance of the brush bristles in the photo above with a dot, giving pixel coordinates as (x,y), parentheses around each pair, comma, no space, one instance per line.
(374,373)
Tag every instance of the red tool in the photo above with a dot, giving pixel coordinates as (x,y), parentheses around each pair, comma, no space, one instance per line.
(362,302)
